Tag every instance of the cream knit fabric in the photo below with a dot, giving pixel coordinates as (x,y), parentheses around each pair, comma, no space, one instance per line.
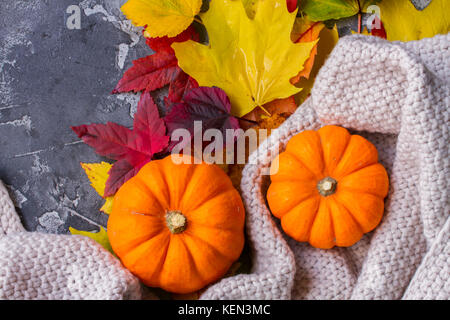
(46,266)
(396,95)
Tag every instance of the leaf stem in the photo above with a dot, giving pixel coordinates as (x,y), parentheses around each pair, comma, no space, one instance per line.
(359,22)
(265,111)
(198,20)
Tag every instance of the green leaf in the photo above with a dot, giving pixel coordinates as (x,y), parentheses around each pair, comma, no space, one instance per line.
(101,237)
(322,10)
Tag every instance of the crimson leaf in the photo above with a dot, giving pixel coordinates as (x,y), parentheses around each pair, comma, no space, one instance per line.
(131,148)
(211,106)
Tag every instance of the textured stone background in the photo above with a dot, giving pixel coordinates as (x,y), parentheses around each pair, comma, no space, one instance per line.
(52,78)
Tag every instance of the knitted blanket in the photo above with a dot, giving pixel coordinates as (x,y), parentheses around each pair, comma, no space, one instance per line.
(394,94)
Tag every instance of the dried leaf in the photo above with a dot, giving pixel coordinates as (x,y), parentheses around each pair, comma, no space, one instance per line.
(286,106)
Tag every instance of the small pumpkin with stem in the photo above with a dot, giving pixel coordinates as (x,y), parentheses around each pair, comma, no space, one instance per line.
(328,187)
(177,226)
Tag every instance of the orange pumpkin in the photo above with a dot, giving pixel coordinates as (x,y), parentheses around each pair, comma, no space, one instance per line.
(328,188)
(177,227)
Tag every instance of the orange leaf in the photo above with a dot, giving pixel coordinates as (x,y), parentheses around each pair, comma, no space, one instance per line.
(306,31)
(287,106)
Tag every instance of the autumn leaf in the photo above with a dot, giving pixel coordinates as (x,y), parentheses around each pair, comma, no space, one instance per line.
(162,17)
(131,148)
(149,73)
(286,106)
(178,88)
(98,175)
(404,22)
(292,5)
(322,10)
(163,44)
(306,31)
(100,237)
(252,60)
(211,106)
(121,172)
(252,5)
(157,70)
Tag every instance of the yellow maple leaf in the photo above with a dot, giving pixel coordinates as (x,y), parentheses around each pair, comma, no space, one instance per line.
(162,17)
(98,174)
(250,7)
(101,237)
(252,60)
(402,21)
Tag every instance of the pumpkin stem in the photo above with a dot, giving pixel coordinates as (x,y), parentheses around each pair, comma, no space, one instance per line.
(327,186)
(176,221)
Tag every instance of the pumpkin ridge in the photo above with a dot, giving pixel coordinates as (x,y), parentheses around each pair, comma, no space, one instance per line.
(210,246)
(313,218)
(323,199)
(190,256)
(163,257)
(215,195)
(299,200)
(162,171)
(357,169)
(146,238)
(197,224)
(326,169)
(353,190)
(350,213)
(187,180)
(142,183)
(143,240)
(229,186)
(303,164)
(332,223)
(190,214)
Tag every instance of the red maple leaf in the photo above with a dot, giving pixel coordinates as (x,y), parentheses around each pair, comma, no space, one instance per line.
(178,88)
(164,43)
(157,70)
(292,5)
(131,148)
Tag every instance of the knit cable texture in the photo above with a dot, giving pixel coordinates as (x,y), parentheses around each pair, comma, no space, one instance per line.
(397,96)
